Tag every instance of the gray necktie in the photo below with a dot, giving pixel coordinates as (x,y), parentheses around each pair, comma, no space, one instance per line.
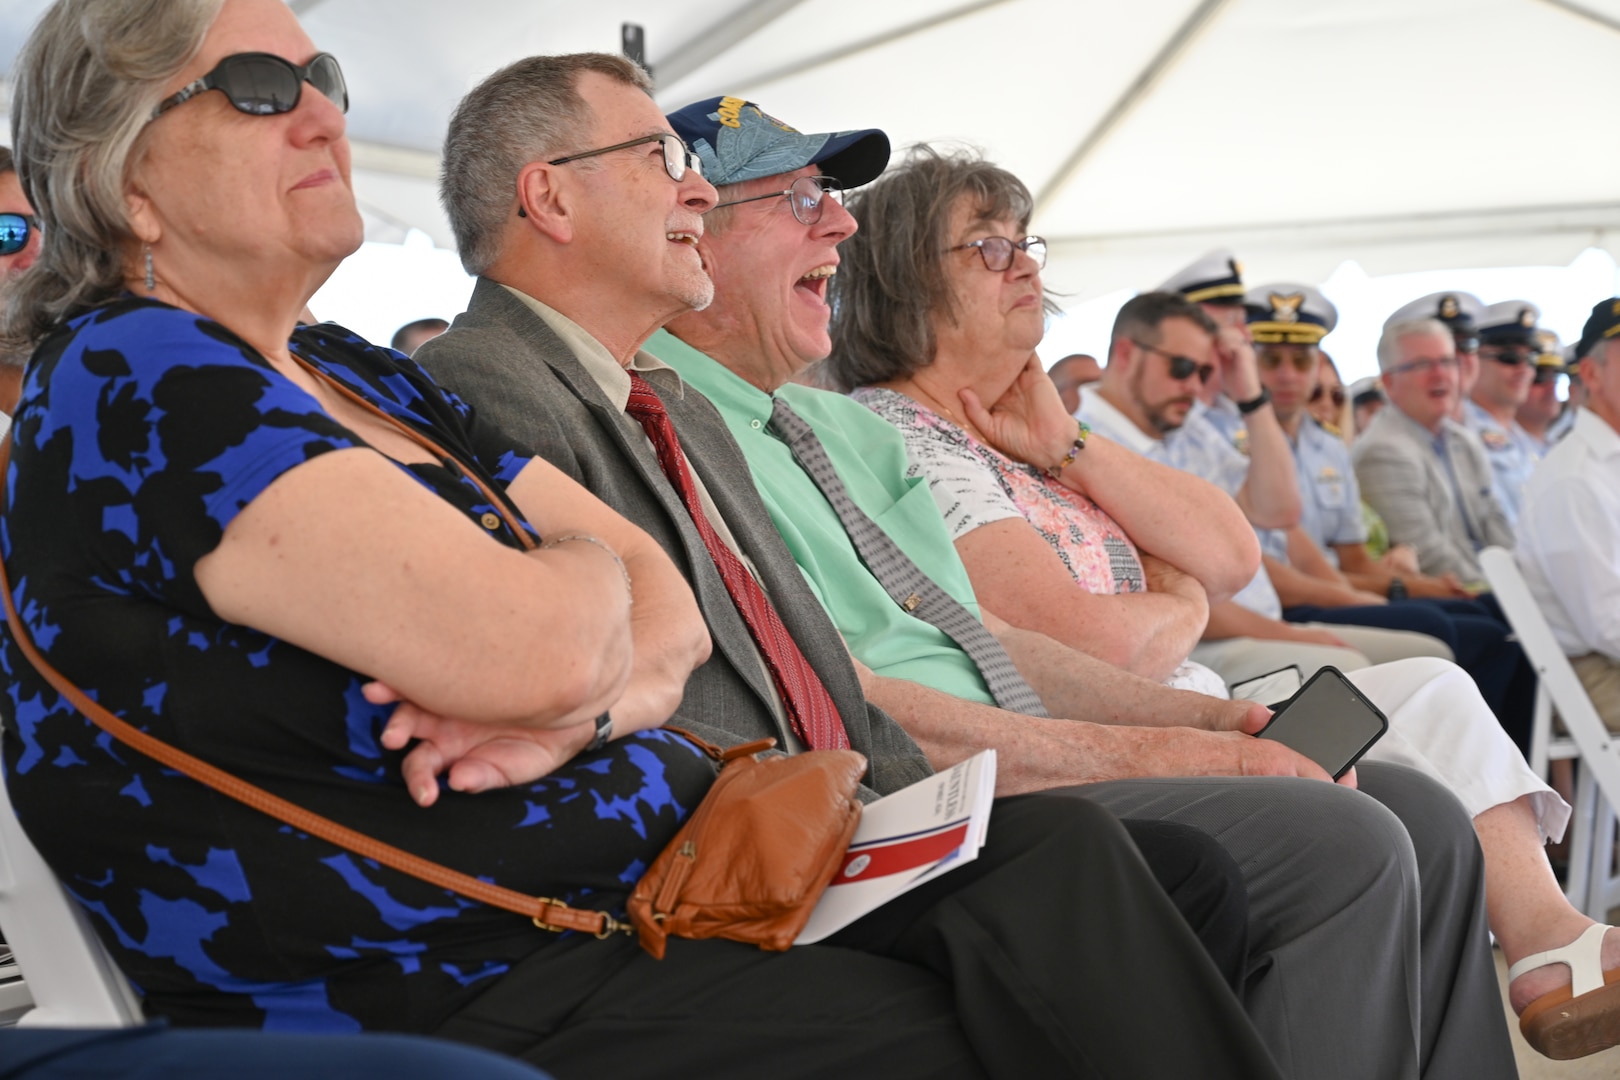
(906,585)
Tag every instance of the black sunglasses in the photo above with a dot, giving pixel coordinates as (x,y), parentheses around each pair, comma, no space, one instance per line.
(1181,367)
(1337,394)
(14,231)
(1510,356)
(1545,373)
(262,84)
(1304,360)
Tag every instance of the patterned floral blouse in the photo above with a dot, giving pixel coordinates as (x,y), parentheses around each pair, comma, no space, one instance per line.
(975,485)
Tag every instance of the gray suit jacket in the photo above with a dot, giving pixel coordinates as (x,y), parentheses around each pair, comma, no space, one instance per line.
(1403,479)
(510,367)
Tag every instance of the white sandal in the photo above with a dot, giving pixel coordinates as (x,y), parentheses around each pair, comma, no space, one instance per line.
(1581,1018)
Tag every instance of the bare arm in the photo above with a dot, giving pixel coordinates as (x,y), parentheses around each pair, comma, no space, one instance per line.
(1374,575)
(1231,620)
(1270,495)
(667,630)
(1076,685)
(1017,574)
(1184,520)
(1294,586)
(428,604)
(1035,754)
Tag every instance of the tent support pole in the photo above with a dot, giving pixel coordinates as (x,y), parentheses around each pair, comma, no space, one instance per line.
(1587,13)
(1166,58)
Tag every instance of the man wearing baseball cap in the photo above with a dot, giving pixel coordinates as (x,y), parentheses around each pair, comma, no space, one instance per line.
(1569,531)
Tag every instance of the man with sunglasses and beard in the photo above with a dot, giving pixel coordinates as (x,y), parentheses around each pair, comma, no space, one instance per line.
(1162,345)
(1507,353)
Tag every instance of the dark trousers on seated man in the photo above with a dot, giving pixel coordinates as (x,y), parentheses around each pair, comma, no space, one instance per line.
(1479,637)
(1323,866)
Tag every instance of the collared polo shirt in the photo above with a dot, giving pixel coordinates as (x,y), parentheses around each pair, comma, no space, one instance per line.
(870,457)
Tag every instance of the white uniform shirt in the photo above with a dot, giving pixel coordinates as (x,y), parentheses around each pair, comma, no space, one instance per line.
(1513,455)
(1569,538)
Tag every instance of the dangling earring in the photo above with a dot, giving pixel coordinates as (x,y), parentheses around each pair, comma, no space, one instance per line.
(151,279)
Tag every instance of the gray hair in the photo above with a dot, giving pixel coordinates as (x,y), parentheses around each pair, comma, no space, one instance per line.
(891,281)
(527,111)
(1389,346)
(85,85)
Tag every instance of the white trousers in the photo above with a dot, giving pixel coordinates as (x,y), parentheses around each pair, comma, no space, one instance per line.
(1439,725)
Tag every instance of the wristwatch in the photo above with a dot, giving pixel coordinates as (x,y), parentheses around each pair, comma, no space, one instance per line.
(1397,589)
(604,732)
(1247,407)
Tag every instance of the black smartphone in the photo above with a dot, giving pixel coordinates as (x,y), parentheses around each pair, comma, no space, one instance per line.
(1329,721)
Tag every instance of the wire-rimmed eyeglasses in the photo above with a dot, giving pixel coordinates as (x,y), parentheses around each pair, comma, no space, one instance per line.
(804,197)
(677,158)
(997,251)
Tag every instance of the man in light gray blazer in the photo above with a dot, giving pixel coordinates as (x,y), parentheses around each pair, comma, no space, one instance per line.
(545,351)
(1422,471)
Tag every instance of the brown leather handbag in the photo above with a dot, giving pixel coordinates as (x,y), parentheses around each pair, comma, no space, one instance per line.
(755,856)
(748,865)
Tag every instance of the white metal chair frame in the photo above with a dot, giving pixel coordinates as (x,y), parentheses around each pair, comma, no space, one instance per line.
(66,971)
(1593,886)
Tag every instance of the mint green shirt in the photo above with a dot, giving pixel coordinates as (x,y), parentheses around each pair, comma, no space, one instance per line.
(870,457)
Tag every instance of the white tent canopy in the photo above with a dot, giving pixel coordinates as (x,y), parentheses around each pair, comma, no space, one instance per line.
(1407,135)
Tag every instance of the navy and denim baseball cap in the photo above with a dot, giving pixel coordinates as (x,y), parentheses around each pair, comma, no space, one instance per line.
(737,140)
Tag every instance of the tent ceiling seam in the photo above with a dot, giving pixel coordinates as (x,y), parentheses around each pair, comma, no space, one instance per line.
(1175,45)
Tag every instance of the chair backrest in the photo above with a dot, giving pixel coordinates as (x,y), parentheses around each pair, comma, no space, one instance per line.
(1598,748)
(73,981)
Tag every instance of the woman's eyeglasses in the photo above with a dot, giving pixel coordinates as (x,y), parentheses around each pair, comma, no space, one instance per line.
(805,197)
(15,230)
(677,158)
(1181,367)
(1337,394)
(1304,361)
(997,251)
(262,84)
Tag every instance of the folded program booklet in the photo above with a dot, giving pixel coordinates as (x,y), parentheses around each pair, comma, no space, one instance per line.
(910,837)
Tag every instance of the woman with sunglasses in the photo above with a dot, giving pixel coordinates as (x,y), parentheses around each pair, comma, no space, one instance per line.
(1329,405)
(294,556)
(1131,578)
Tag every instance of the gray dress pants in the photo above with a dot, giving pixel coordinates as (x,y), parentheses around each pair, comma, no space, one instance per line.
(1369,956)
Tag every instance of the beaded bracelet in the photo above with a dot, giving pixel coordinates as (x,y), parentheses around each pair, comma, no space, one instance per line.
(1082,430)
(584,538)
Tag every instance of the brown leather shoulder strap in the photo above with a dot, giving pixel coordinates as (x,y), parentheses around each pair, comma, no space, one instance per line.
(548,914)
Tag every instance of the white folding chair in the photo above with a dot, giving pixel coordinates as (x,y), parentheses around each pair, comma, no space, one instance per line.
(1593,885)
(67,972)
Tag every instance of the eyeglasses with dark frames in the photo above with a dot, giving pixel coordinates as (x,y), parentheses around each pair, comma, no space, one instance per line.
(1181,367)
(805,197)
(677,158)
(997,251)
(1337,394)
(263,84)
(15,230)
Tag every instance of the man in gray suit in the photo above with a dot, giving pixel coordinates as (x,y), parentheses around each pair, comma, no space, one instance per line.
(1421,470)
(550,333)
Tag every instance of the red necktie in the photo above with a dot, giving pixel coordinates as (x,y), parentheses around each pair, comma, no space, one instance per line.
(809,708)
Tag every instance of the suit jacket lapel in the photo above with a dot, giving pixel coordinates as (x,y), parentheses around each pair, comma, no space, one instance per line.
(729,632)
